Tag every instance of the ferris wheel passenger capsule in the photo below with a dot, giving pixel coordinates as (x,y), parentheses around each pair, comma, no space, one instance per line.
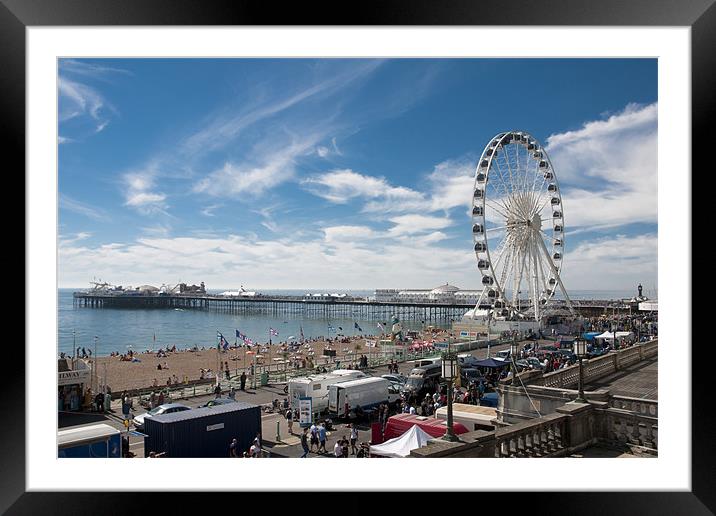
(477,210)
(478,229)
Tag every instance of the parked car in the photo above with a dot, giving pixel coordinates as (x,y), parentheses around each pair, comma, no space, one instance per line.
(217,401)
(549,348)
(567,353)
(467,361)
(469,375)
(167,408)
(597,352)
(489,399)
(502,355)
(395,378)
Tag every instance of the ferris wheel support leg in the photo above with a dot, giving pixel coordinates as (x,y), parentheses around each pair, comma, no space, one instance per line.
(557,277)
(534,283)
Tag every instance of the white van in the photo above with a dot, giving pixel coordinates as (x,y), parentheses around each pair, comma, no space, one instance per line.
(367,393)
(474,417)
(427,362)
(316,387)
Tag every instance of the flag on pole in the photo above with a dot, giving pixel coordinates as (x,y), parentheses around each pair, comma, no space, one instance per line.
(223,343)
(273,332)
(244,338)
(381,327)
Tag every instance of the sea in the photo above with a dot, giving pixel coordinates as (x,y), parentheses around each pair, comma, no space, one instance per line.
(122,329)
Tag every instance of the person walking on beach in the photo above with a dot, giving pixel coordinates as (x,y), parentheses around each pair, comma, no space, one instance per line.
(304,443)
(232,448)
(232,393)
(242,379)
(217,390)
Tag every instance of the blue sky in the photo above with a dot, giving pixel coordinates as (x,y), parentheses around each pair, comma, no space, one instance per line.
(341,173)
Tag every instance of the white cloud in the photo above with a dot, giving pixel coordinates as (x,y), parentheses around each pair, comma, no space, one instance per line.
(451,184)
(80,100)
(139,194)
(412,224)
(608,168)
(322,151)
(69,204)
(337,260)
(273,167)
(93,70)
(240,259)
(340,186)
(224,129)
(612,263)
(349,234)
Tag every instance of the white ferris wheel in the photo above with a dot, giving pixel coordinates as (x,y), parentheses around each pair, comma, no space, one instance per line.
(518,228)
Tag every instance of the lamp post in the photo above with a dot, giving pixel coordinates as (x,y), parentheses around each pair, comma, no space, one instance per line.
(514,349)
(580,349)
(449,366)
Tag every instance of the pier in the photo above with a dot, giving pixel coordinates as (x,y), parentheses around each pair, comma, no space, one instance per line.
(298,306)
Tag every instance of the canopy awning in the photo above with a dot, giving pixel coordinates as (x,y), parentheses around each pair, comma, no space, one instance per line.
(402,446)
(491,363)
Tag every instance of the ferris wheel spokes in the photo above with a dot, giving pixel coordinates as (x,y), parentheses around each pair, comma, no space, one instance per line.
(514,183)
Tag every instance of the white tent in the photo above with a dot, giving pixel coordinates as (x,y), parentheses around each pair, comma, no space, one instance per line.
(401,446)
(610,336)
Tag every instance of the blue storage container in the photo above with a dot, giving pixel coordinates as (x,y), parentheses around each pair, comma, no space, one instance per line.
(203,432)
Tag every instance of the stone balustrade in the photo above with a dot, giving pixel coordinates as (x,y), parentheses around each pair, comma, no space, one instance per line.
(638,405)
(596,368)
(631,428)
(542,437)
(570,429)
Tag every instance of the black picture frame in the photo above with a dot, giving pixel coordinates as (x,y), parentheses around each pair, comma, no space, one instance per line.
(700,15)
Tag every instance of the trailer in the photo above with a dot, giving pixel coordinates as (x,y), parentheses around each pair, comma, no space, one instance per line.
(316,388)
(366,393)
(96,441)
(473,417)
(203,432)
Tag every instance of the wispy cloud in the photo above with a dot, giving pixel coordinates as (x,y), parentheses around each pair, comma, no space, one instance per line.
(93,70)
(209,210)
(81,103)
(341,186)
(618,261)
(253,177)
(614,162)
(139,194)
(70,204)
(225,128)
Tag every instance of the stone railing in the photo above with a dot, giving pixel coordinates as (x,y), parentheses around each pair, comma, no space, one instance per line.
(630,428)
(542,437)
(640,406)
(571,428)
(597,368)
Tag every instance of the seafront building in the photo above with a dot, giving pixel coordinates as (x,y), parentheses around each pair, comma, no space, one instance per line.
(444,294)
